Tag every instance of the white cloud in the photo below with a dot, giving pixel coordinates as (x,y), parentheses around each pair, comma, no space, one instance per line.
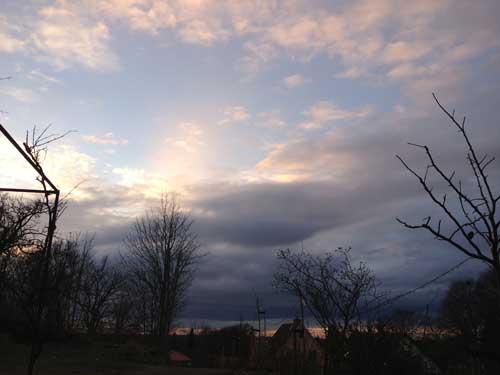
(310,125)
(234,114)
(70,167)
(270,119)
(193,21)
(354,33)
(189,137)
(8,42)
(324,112)
(284,171)
(465,51)
(258,54)
(21,94)
(149,16)
(63,38)
(402,51)
(303,31)
(200,32)
(38,75)
(152,184)
(295,80)
(412,70)
(66,166)
(353,72)
(106,139)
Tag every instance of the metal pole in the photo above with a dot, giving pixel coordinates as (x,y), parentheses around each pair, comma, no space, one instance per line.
(258,337)
(302,334)
(295,367)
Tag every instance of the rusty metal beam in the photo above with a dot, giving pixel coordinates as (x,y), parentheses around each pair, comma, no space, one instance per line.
(25,156)
(34,191)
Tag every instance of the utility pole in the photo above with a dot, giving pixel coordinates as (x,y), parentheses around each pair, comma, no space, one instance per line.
(260,313)
(298,327)
(302,333)
(426,320)
(263,312)
(240,354)
(295,364)
(259,332)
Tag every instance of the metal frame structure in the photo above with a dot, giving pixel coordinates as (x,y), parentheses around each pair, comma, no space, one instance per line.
(30,155)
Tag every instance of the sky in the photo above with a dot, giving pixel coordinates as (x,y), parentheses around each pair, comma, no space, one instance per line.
(276,123)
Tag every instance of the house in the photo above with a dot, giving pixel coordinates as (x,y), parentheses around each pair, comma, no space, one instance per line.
(293,346)
(179,359)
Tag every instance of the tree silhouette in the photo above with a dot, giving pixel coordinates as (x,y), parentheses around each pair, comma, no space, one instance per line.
(474,216)
(161,258)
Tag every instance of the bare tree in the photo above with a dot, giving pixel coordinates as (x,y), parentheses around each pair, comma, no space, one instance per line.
(19,231)
(162,253)
(473,217)
(101,284)
(22,289)
(77,262)
(71,275)
(122,310)
(18,223)
(335,291)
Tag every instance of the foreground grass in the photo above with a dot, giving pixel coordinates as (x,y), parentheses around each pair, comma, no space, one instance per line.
(86,359)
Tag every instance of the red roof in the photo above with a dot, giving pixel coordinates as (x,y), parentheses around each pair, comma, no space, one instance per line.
(178,356)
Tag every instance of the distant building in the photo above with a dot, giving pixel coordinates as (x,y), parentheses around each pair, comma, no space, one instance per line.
(179,359)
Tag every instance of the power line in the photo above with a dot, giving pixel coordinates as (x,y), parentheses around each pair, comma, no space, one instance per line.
(421,286)
(380,305)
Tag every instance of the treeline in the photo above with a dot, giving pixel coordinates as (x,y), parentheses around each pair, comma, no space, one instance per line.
(73,290)
(83,291)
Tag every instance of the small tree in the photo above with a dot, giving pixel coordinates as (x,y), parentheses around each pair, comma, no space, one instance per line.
(474,218)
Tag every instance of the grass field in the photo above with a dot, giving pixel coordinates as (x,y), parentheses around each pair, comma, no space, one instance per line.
(85,359)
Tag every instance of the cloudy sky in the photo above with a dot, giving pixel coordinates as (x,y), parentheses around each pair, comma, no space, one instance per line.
(276,122)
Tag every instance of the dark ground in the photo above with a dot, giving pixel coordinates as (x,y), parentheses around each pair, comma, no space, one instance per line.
(86,358)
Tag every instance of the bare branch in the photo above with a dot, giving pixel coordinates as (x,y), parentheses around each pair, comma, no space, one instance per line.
(478,224)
